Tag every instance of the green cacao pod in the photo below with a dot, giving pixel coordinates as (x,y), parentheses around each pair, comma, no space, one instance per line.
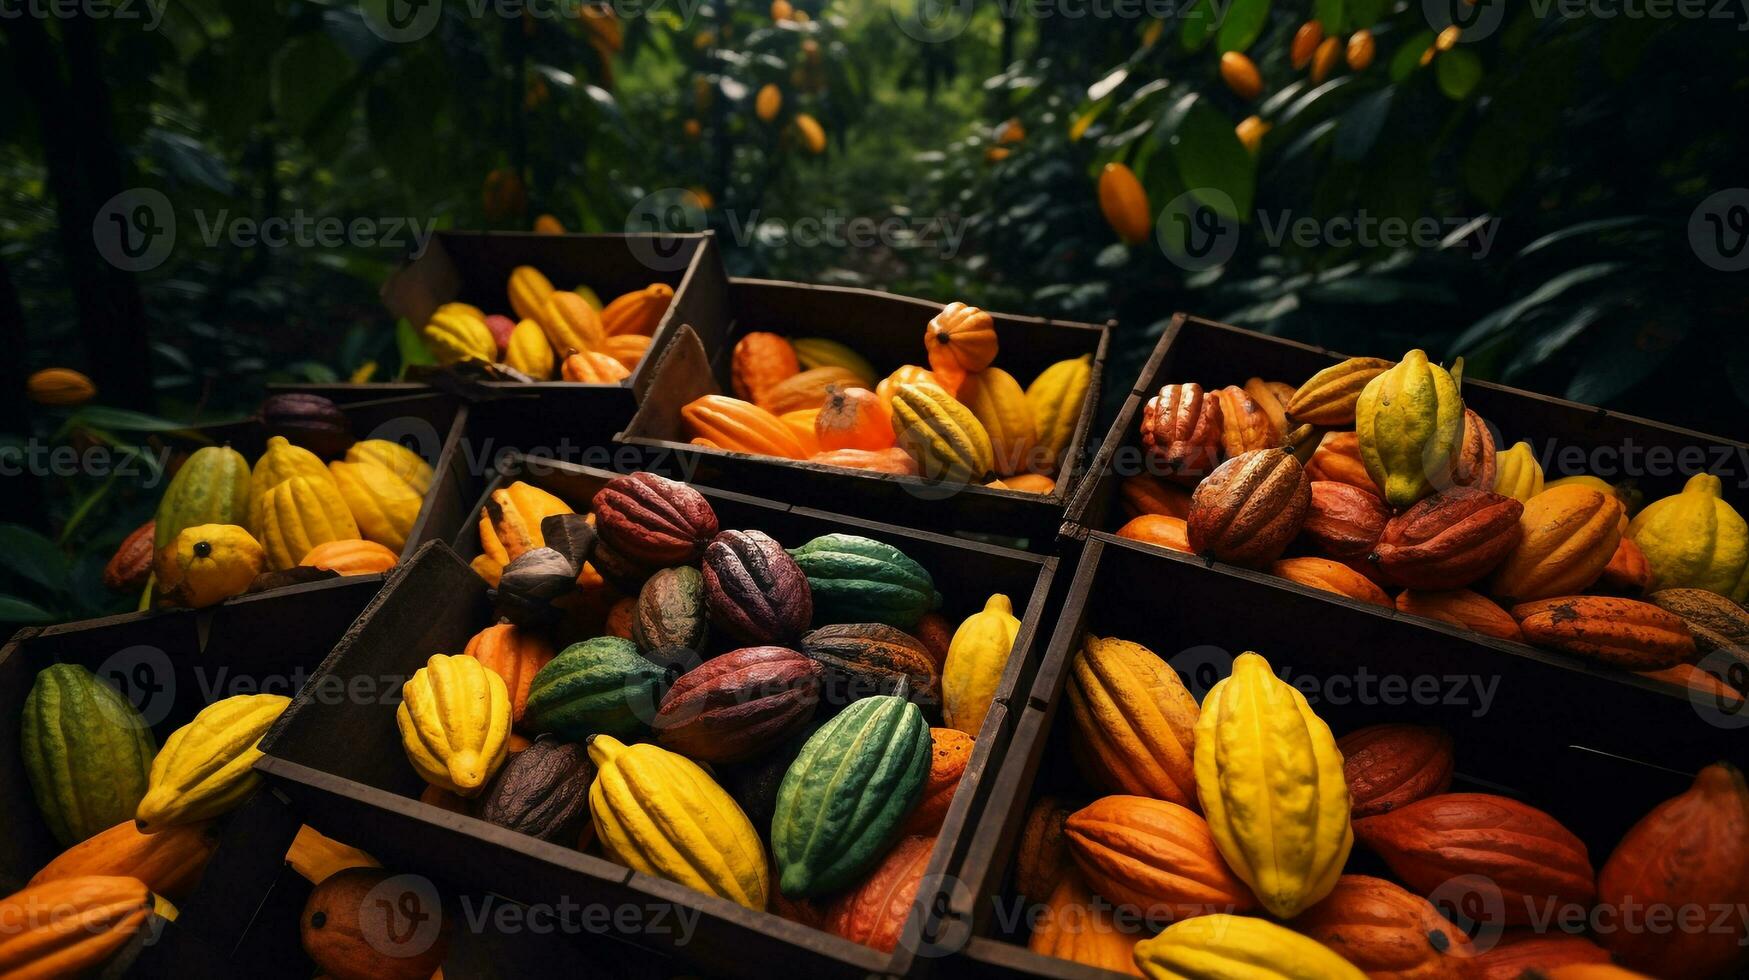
(596,687)
(87,752)
(1410,423)
(861,580)
(846,795)
(212,487)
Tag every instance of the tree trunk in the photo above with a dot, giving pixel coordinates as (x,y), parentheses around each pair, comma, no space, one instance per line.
(84,173)
(19,492)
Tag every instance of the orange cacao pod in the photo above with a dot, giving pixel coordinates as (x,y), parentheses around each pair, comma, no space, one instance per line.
(1705,683)
(1329,397)
(131,565)
(1181,431)
(1474,465)
(1628,569)
(1075,926)
(168,862)
(1625,633)
(1154,856)
(1450,539)
(893,460)
(1158,530)
(69,927)
(1244,424)
(1393,765)
(1343,520)
(1519,951)
(1144,494)
(760,360)
(874,912)
(1250,507)
(949,755)
(1337,459)
(514,654)
(1331,576)
(1570,533)
(1519,850)
(960,339)
(1461,607)
(1386,931)
(1691,851)
(806,390)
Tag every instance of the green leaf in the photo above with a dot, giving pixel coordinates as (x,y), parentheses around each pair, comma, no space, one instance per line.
(411,346)
(1613,363)
(1364,14)
(1408,57)
(1197,25)
(33,557)
(309,71)
(1548,292)
(1244,21)
(1361,125)
(1210,157)
(1459,71)
(16,610)
(1328,14)
(122,419)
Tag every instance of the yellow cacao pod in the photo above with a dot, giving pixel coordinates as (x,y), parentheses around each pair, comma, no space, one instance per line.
(316,856)
(1410,423)
(976,657)
(1270,780)
(942,435)
(999,404)
(570,323)
(382,503)
(1239,947)
(455,723)
(403,462)
(454,336)
(1568,536)
(659,813)
(818,352)
(206,564)
(812,133)
(1135,721)
(281,461)
(769,101)
(1329,397)
(529,290)
(207,767)
(60,386)
(1695,540)
(299,514)
(1517,474)
(1124,203)
(530,352)
(510,525)
(1055,398)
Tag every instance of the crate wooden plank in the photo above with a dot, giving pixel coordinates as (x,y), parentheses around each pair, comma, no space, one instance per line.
(888,330)
(342,763)
(1581,746)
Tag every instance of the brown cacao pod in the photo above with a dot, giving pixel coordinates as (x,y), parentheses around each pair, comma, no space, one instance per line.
(542,791)
(1628,569)
(1518,951)
(1517,850)
(1393,765)
(1331,576)
(737,705)
(1474,465)
(1328,397)
(874,912)
(865,659)
(618,569)
(1691,851)
(1250,507)
(310,421)
(1337,459)
(1570,533)
(1461,607)
(1343,520)
(654,521)
(1043,850)
(131,565)
(756,591)
(1143,494)
(936,632)
(1716,622)
(1387,931)
(671,620)
(1181,431)
(1625,633)
(1450,539)
(1154,856)
(1244,424)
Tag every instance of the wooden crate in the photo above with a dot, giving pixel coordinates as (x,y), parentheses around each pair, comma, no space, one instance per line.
(473,267)
(342,765)
(1593,751)
(888,330)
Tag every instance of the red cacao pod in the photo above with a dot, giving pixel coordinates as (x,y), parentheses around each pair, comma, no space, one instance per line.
(1516,858)
(1250,507)
(1518,951)
(1387,931)
(1625,633)
(1450,539)
(1691,852)
(737,705)
(1628,569)
(131,565)
(1393,765)
(874,913)
(653,520)
(1344,521)
(1181,430)
(756,591)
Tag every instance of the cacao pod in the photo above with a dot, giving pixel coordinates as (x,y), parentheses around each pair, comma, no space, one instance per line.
(1393,765)
(1158,530)
(169,863)
(1220,946)
(1410,424)
(738,705)
(1142,494)
(1342,520)
(207,767)
(1181,431)
(1517,474)
(516,655)
(87,752)
(1519,951)
(454,720)
(310,421)
(1450,539)
(1716,622)
(1135,723)
(857,579)
(863,659)
(1569,535)
(1058,400)
(1044,859)
(542,791)
(351,936)
(1623,633)
(874,912)
(1464,608)
(597,686)
(1695,540)
(756,592)
(1337,459)
(946,439)
(1331,576)
(1244,424)
(1329,397)
(1388,932)
(1076,928)
(1249,509)
(1628,569)
(976,659)
(1155,857)
(1475,463)
(131,565)
(671,621)
(71,926)
(949,754)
